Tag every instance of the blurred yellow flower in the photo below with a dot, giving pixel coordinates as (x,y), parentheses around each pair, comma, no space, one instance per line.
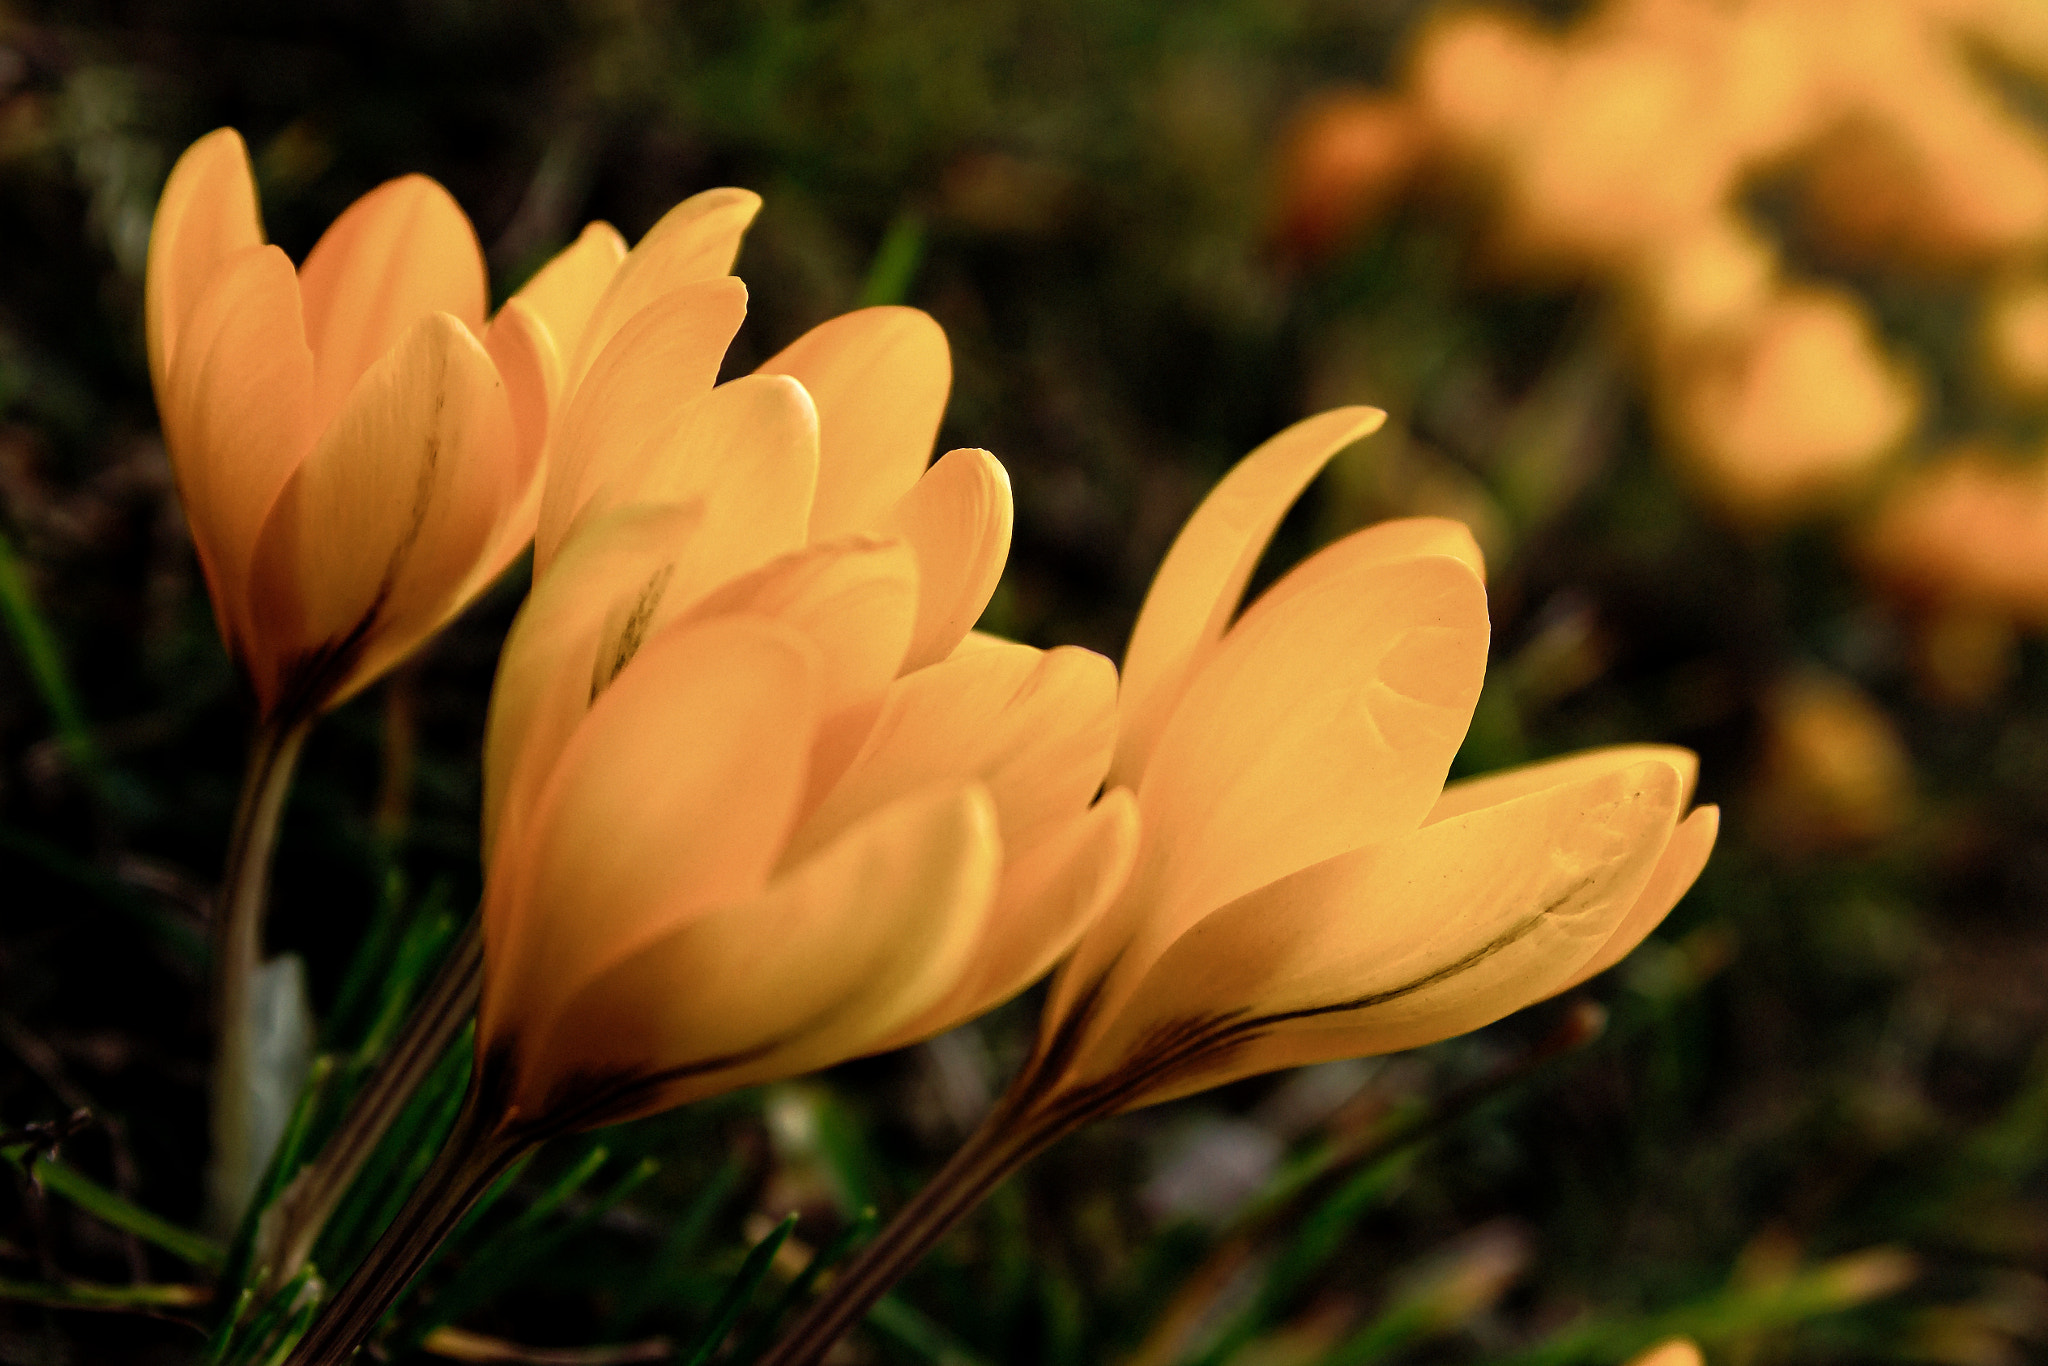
(1969,530)
(1306,888)
(1677,1352)
(357,447)
(1834,773)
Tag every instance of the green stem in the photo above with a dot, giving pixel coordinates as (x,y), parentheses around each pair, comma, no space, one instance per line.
(237,953)
(1012,1134)
(470,1162)
(293,1224)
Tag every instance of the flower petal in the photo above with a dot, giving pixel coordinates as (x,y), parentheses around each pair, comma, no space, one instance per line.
(403,251)
(820,967)
(696,241)
(208,214)
(672,797)
(381,526)
(1036,728)
(1491,789)
(957,519)
(564,292)
(630,400)
(543,686)
(880,378)
(1676,871)
(1196,591)
(237,420)
(1441,931)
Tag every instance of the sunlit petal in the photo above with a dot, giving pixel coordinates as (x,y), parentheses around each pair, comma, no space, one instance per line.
(563,293)
(207,215)
(1679,867)
(1491,789)
(957,519)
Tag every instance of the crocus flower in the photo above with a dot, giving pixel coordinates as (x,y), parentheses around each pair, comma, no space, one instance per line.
(1306,887)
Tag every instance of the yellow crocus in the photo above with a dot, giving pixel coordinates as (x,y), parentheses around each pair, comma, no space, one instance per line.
(1305,885)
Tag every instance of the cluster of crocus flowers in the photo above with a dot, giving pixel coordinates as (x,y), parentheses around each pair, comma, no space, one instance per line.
(1623,148)
(1305,885)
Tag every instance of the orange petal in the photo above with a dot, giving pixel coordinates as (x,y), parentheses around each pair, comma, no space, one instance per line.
(1323,722)
(1676,871)
(1048,897)
(1036,728)
(403,251)
(526,362)
(1439,932)
(748,448)
(563,293)
(854,599)
(631,399)
(1197,588)
(819,968)
(381,526)
(1491,789)
(237,420)
(1405,538)
(693,242)
(672,797)
(543,685)
(957,519)
(880,378)
(208,214)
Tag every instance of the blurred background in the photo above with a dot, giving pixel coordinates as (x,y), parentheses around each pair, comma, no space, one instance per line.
(1723,323)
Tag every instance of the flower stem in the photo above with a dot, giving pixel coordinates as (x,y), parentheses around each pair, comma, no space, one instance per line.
(1012,1134)
(237,953)
(475,1156)
(292,1225)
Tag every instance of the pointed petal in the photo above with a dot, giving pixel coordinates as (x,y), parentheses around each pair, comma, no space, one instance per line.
(1049,895)
(817,969)
(1442,931)
(208,214)
(237,421)
(957,519)
(1405,538)
(381,525)
(880,378)
(1036,728)
(1491,789)
(563,293)
(855,599)
(1676,871)
(695,241)
(403,251)
(543,685)
(1323,722)
(631,399)
(672,797)
(748,448)
(1196,591)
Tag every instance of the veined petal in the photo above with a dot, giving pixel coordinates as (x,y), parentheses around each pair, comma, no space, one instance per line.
(1439,932)
(631,399)
(563,293)
(880,377)
(854,599)
(1491,789)
(1677,869)
(379,528)
(1323,722)
(237,420)
(695,241)
(957,519)
(818,968)
(625,561)
(1048,896)
(402,252)
(672,797)
(208,214)
(1196,591)
(748,448)
(1036,728)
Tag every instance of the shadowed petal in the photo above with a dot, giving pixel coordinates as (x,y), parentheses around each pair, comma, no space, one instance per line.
(367,545)
(957,519)
(208,214)
(674,795)
(880,378)
(403,251)
(820,967)
(1196,591)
